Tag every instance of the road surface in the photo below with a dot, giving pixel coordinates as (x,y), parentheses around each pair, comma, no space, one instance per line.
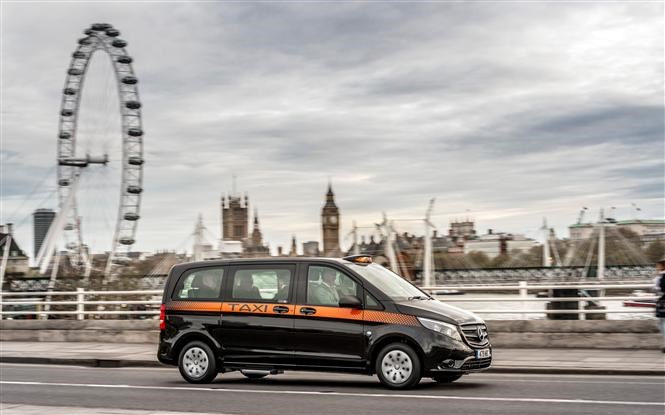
(328,394)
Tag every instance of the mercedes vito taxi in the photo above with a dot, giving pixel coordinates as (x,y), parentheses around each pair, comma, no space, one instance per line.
(265,316)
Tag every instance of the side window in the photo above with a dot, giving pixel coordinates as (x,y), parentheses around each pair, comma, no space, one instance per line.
(202,283)
(325,285)
(262,285)
(371,302)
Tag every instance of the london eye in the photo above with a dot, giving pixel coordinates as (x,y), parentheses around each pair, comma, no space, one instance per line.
(99,155)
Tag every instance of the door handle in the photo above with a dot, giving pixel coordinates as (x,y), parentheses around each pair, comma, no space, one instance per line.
(280,309)
(307,311)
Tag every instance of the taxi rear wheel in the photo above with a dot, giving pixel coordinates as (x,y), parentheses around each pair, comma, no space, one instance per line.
(446,377)
(398,366)
(197,363)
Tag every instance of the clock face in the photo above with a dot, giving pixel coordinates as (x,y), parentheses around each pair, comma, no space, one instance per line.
(332,220)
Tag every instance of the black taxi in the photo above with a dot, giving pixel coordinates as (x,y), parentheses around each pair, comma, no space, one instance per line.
(265,316)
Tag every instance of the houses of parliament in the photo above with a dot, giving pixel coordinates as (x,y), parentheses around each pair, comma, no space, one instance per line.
(235,219)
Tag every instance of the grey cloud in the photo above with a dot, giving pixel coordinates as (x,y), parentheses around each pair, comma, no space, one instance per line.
(511,112)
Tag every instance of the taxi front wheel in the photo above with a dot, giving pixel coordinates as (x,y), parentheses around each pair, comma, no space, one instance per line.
(197,363)
(398,366)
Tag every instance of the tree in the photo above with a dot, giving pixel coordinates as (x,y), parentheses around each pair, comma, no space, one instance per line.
(655,251)
(477,259)
(499,261)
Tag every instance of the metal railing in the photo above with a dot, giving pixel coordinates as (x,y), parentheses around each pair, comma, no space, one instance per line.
(523,289)
(78,302)
(79,299)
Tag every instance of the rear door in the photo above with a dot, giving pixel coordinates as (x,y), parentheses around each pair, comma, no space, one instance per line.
(257,315)
(195,303)
(326,334)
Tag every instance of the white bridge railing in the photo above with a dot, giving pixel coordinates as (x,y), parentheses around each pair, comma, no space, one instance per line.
(487,305)
(77,301)
(82,303)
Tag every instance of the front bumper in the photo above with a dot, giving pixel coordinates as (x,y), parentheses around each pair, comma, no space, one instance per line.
(443,354)
(469,364)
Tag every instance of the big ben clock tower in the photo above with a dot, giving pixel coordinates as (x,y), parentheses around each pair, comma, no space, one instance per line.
(330,225)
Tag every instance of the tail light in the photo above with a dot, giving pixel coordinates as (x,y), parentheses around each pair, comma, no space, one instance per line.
(162,317)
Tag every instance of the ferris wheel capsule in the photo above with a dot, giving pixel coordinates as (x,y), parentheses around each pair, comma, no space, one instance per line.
(135,160)
(135,190)
(129,80)
(135,132)
(119,43)
(100,27)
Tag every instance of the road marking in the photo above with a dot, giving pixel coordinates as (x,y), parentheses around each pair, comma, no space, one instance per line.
(502,377)
(565,381)
(349,394)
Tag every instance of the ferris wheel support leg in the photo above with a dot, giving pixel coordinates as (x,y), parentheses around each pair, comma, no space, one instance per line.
(51,285)
(5,258)
(109,262)
(46,251)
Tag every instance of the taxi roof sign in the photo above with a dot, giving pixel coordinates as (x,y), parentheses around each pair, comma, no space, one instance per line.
(359,259)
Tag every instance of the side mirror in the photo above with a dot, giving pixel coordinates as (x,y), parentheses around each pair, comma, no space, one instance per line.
(350,301)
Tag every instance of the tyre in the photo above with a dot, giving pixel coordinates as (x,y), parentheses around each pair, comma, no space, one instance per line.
(254,374)
(446,377)
(398,366)
(197,363)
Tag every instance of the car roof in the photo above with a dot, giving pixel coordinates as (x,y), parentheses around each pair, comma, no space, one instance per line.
(265,260)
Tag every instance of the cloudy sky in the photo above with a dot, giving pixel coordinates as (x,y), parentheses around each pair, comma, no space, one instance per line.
(503,111)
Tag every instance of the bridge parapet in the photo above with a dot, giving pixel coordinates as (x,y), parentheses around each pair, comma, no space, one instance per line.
(541,274)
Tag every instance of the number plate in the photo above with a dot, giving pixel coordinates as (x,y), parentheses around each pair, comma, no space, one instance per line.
(483,353)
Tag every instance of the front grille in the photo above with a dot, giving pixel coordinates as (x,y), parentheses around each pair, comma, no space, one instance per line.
(477,364)
(472,335)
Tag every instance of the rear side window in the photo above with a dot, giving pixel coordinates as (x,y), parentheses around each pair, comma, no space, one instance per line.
(200,284)
(262,285)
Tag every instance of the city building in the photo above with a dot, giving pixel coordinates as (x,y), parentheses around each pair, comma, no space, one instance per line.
(17,261)
(648,230)
(230,249)
(581,230)
(494,244)
(235,218)
(464,229)
(254,248)
(330,226)
(42,220)
(294,247)
(310,248)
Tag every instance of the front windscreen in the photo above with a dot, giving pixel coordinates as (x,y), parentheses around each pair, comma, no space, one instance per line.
(392,285)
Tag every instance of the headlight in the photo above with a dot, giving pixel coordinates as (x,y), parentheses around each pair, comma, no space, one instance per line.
(441,327)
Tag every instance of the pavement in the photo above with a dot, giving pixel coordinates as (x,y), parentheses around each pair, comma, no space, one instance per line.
(29,389)
(561,361)
(22,409)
